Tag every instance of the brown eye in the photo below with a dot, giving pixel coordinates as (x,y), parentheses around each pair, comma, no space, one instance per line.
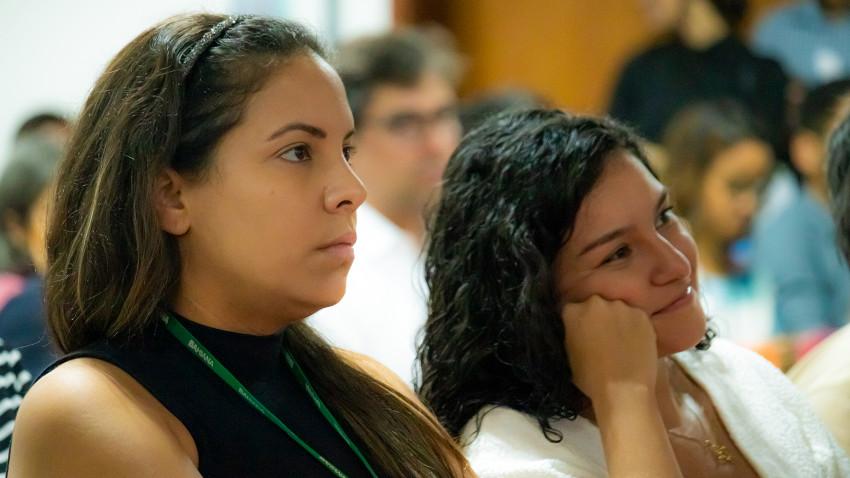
(621,253)
(296,154)
(666,216)
(348,152)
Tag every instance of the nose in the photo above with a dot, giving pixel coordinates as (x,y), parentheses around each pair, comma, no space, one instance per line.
(670,264)
(344,192)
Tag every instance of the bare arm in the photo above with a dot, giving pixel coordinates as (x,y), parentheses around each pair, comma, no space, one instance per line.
(87,418)
(613,356)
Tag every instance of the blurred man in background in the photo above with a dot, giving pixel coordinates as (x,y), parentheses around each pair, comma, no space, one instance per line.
(401,88)
(48,125)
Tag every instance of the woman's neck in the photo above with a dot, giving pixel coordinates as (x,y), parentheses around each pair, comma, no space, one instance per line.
(214,309)
(666,393)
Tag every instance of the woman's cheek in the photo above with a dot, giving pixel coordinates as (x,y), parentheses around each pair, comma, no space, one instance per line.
(622,285)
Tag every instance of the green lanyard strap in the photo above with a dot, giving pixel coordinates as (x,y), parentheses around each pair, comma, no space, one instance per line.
(190,342)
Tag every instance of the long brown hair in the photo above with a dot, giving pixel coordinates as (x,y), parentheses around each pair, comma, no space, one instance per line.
(112,270)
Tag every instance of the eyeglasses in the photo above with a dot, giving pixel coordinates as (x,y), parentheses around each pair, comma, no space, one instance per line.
(412,126)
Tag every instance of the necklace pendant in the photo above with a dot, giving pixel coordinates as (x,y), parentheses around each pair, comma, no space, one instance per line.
(719,451)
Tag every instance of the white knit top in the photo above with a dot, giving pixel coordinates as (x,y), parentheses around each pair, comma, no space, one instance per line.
(765,415)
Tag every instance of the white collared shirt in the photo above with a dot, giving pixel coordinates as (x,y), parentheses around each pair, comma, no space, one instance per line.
(385,300)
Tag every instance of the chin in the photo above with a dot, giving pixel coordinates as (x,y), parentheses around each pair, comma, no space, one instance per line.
(682,335)
(331,296)
(686,338)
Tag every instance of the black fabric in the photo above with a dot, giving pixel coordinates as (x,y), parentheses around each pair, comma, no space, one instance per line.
(656,84)
(233,439)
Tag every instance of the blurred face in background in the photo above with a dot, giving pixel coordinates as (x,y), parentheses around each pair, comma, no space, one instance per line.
(55,131)
(664,15)
(27,233)
(731,190)
(405,139)
(808,150)
(36,230)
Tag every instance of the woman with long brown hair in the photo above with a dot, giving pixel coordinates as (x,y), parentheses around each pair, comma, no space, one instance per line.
(205,207)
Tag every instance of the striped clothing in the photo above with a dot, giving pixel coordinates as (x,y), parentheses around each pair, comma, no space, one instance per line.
(14,381)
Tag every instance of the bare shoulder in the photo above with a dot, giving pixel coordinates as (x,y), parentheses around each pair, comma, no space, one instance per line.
(378,371)
(88,416)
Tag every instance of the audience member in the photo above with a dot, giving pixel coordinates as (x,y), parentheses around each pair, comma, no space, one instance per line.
(13,386)
(25,190)
(797,245)
(703,59)
(401,88)
(476,110)
(809,38)
(206,206)
(824,373)
(718,165)
(49,125)
(563,316)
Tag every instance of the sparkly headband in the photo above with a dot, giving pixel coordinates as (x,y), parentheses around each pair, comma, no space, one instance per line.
(190,59)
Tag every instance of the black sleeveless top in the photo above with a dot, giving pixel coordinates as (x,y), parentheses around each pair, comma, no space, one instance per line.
(233,439)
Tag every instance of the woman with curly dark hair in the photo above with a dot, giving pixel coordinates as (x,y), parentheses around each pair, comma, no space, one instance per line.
(564,315)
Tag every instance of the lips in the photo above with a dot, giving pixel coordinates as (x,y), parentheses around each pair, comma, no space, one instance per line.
(347,239)
(682,300)
(341,248)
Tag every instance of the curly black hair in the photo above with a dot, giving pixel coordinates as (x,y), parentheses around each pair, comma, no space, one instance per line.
(510,196)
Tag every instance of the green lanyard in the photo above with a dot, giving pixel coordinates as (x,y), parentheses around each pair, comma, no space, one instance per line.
(190,342)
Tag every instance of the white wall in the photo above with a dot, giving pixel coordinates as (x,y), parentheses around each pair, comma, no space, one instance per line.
(51,51)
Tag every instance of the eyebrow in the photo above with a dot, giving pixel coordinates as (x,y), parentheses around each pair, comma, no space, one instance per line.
(608,237)
(307,128)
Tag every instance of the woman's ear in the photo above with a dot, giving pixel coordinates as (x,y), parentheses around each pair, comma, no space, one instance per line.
(171,210)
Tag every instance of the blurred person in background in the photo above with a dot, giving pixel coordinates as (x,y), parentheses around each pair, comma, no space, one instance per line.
(809,38)
(14,264)
(401,88)
(49,125)
(796,246)
(718,165)
(475,110)
(824,373)
(25,191)
(13,386)
(702,58)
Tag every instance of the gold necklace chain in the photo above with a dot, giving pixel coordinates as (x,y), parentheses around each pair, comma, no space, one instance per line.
(719,452)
